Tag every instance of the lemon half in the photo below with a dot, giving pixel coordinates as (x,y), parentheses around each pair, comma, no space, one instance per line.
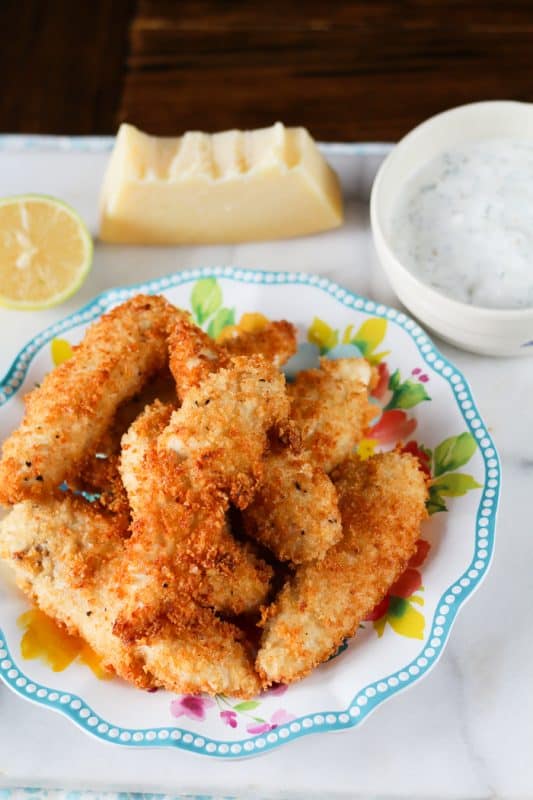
(46,251)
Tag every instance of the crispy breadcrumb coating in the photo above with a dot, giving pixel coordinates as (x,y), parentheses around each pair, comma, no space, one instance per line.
(382,503)
(227,575)
(277,342)
(180,482)
(67,415)
(220,431)
(67,558)
(193,355)
(330,407)
(295,512)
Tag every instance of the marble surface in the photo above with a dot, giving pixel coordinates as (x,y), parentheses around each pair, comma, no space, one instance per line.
(466,731)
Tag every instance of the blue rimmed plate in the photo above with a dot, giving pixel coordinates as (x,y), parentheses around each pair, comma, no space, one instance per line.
(421,400)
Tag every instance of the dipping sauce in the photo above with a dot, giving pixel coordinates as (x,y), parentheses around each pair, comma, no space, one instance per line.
(464,224)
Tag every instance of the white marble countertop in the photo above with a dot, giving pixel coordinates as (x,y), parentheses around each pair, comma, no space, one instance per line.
(466,731)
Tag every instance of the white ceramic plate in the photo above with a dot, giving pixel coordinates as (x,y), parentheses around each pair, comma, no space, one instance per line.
(422,400)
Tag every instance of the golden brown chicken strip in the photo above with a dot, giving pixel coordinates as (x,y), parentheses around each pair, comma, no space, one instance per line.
(295,523)
(331,409)
(295,512)
(382,502)
(228,575)
(67,558)
(277,342)
(180,485)
(193,356)
(220,431)
(99,474)
(67,415)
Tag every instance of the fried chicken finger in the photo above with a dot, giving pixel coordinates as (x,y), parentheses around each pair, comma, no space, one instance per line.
(67,558)
(330,407)
(229,576)
(67,415)
(382,502)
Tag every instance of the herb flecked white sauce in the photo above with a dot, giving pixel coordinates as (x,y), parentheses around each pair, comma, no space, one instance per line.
(464,224)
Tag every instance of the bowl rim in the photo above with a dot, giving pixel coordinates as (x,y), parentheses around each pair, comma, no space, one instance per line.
(448,304)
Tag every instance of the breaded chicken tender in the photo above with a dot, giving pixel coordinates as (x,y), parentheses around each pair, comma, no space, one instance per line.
(277,342)
(194,355)
(227,574)
(180,485)
(298,517)
(220,431)
(100,479)
(382,503)
(67,558)
(331,409)
(295,512)
(67,415)
(99,473)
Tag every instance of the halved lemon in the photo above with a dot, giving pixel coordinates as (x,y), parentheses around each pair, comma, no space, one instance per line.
(46,251)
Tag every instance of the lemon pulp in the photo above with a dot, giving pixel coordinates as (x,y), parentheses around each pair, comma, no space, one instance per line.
(45,251)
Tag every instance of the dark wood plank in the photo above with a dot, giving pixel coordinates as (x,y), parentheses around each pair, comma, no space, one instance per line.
(62,64)
(346,70)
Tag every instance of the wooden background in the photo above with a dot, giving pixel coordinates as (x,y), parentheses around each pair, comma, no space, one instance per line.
(347,70)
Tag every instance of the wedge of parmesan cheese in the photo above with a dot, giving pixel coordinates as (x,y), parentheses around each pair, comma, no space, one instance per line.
(235,186)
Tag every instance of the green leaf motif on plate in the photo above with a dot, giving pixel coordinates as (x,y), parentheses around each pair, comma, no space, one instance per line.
(405,394)
(247,705)
(453,453)
(456,484)
(206,299)
(222,319)
(435,503)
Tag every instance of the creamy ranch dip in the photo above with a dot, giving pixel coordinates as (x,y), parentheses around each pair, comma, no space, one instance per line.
(464,223)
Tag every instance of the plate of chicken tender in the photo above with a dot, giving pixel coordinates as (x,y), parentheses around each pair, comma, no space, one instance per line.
(229,486)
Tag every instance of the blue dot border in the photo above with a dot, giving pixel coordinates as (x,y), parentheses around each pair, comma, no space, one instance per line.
(375,693)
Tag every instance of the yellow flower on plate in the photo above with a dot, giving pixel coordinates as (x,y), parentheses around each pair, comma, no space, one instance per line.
(323,335)
(366,448)
(61,351)
(403,618)
(252,322)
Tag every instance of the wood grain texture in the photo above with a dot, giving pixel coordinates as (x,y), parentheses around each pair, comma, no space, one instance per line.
(347,70)
(366,70)
(62,64)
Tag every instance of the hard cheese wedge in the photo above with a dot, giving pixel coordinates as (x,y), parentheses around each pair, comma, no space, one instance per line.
(234,186)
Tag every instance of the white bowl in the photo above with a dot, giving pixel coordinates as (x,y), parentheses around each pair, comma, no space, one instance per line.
(480,330)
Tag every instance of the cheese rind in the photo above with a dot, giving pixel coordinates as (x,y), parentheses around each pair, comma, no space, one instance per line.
(235,186)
